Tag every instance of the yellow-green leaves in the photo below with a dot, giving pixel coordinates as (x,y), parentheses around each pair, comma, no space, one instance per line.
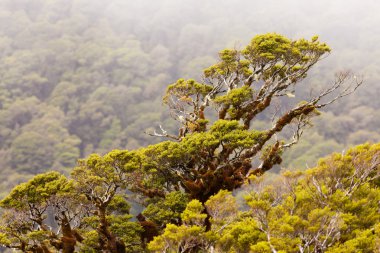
(267,46)
(240,236)
(271,56)
(233,135)
(99,175)
(4,240)
(178,239)
(193,214)
(272,46)
(38,190)
(184,89)
(191,235)
(235,97)
(279,58)
(230,63)
(222,207)
(333,205)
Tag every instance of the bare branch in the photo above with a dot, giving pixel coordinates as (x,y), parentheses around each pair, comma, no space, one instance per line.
(340,79)
(297,133)
(163,133)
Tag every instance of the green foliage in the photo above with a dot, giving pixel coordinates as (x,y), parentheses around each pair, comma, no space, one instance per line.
(271,46)
(229,63)
(236,97)
(222,207)
(330,208)
(363,241)
(127,231)
(241,236)
(4,239)
(119,205)
(37,191)
(185,237)
(186,89)
(329,202)
(90,243)
(99,177)
(167,210)
(177,239)
(193,214)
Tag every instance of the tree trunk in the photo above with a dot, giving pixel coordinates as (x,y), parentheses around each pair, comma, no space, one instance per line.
(108,241)
(68,238)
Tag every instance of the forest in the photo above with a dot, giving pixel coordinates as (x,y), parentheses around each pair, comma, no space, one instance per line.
(174,126)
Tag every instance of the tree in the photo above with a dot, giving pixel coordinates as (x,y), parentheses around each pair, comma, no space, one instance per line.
(86,213)
(25,225)
(330,208)
(209,155)
(100,180)
(327,209)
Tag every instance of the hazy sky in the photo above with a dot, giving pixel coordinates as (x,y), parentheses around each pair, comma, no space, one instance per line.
(346,25)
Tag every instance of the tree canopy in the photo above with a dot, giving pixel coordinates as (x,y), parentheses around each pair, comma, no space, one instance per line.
(216,147)
(330,208)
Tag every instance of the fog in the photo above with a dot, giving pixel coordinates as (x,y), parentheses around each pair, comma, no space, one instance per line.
(349,27)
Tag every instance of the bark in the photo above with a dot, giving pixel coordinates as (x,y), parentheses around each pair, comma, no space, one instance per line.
(108,241)
(68,238)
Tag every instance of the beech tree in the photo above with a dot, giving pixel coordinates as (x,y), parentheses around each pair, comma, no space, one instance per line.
(101,180)
(24,225)
(51,213)
(216,147)
(330,208)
